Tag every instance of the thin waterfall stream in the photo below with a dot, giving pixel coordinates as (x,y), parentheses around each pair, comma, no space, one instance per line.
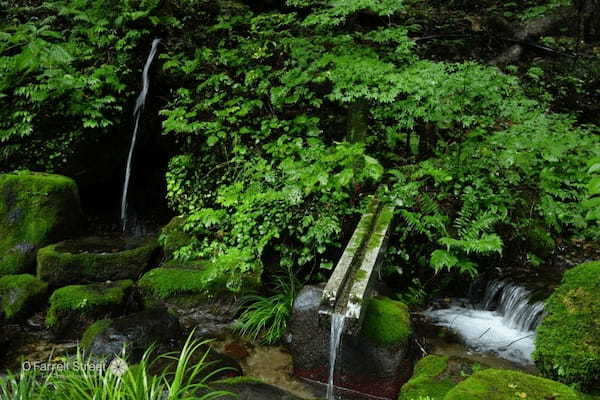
(337,328)
(502,323)
(137,112)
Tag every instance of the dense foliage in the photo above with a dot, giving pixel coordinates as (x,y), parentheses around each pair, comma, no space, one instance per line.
(285,119)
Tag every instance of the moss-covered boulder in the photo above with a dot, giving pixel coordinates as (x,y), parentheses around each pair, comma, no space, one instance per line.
(495,384)
(20,295)
(197,296)
(36,209)
(568,339)
(387,322)
(95,259)
(74,307)
(173,236)
(435,375)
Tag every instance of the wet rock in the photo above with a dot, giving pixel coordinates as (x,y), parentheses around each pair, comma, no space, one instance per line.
(251,389)
(375,362)
(35,209)
(132,333)
(20,295)
(95,259)
(73,308)
(236,351)
(199,301)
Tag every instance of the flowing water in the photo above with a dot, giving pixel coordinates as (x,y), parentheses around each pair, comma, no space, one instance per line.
(137,112)
(337,328)
(503,323)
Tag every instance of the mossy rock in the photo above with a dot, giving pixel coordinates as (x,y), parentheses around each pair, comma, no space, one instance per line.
(568,339)
(36,209)
(93,331)
(76,305)
(387,322)
(495,384)
(179,284)
(435,375)
(20,295)
(95,259)
(173,236)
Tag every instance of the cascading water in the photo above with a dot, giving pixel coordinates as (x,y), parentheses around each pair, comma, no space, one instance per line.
(502,323)
(137,112)
(335,339)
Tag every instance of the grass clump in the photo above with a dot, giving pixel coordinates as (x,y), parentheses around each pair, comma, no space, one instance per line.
(267,316)
(187,381)
(568,339)
(387,322)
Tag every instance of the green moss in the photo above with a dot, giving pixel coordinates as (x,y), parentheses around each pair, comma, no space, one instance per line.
(360,275)
(173,236)
(163,283)
(19,294)
(237,380)
(494,384)
(94,260)
(92,331)
(425,381)
(568,340)
(86,301)
(35,210)
(194,264)
(387,322)
(435,375)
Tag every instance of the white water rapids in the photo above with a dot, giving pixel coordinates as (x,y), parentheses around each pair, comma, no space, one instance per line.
(503,323)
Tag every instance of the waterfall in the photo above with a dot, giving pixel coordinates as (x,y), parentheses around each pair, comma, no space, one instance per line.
(512,302)
(337,328)
(137,112)
(503,322)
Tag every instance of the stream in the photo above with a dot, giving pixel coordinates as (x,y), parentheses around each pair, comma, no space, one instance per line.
(501,324)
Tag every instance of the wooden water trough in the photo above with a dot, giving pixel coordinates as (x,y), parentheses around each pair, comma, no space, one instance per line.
(350,284)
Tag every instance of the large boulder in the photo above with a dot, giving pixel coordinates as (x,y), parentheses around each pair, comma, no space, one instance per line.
(73,308)
(20,295)
(568,339)
(95,259)
(495,384)
(376,362)
(36,209)
(132,334)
